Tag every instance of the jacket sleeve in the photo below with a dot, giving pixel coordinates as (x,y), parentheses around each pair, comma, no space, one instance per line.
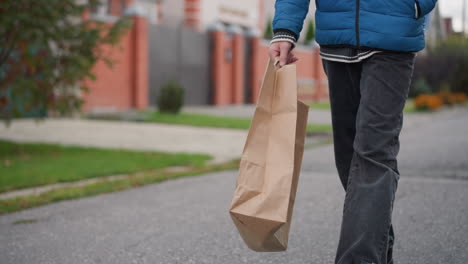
(426,6)
(290,15)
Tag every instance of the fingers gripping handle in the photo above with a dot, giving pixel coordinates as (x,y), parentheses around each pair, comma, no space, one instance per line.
(276,62)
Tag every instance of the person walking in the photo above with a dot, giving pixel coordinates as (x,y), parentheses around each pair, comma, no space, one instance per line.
(367,49)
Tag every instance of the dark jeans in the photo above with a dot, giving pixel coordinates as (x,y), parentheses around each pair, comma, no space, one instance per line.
(367,101)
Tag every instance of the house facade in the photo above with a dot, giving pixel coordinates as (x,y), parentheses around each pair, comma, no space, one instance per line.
(213,48)
(248,14)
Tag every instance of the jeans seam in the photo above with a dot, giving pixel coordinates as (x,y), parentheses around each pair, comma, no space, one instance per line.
(382,242)
(386,234)
(348,186)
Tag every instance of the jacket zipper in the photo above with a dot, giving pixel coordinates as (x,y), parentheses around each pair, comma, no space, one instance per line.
(418,9)
(357,23)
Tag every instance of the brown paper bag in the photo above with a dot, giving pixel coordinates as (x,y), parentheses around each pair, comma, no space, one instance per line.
(271,161)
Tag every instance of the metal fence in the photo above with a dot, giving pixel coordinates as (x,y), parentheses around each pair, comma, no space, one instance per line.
(177,53)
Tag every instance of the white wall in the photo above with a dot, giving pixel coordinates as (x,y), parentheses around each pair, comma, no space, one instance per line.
(173,11)
(150,11)
(239,12)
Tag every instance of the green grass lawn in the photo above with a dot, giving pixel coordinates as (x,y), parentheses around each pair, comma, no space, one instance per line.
(409,107)
(199,120)
(320,105)
(106,186)
(202,120)
(28,165)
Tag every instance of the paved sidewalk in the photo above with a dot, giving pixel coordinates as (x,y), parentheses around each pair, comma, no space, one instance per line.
(186,220)
(222,144)
(316,116)
(319,116)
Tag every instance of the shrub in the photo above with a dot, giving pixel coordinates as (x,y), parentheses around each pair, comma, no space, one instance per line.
(445,96)
(420,87)
(435,101)
(428,102)
(46,52)
(444,64)
(171,98)
(459,98)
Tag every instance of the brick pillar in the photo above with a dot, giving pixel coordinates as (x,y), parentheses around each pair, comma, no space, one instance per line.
(192,14)
(139,59)
(238,65)
(86,14)
(218,72)
(319,77)
(255,69)
(316,75)
(261,15)
(159,12)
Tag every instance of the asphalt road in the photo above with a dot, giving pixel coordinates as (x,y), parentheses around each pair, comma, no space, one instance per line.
(187,221)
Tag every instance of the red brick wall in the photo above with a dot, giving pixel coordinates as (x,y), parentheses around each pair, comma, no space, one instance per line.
(238,69)
(228,75)
(227,70)
(111,88)
(125,85)
(140,63)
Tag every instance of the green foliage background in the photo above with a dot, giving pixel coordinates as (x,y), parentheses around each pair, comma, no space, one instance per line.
(46,50)
(443,67)
(268,34)
(310,35)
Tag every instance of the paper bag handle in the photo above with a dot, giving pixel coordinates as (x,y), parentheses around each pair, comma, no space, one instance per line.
(276,62)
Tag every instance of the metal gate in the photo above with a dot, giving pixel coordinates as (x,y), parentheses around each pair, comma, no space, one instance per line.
(179,54)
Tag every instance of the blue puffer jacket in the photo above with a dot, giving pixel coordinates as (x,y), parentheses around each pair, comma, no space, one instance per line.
(396,25)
